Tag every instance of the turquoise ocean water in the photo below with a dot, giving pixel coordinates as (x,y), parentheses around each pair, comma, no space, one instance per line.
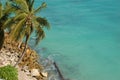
(84,39)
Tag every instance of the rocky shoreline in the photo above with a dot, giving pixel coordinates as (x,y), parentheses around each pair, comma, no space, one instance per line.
(29,68)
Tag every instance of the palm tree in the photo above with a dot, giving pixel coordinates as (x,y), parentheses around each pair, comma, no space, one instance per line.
(4,21)
(26,21)
(1,30)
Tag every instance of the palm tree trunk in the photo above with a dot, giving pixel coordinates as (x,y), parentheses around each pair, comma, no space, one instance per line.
(1,38)
(20,59)
(23,53)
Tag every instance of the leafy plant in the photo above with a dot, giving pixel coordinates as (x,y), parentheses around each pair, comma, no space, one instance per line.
(8,73)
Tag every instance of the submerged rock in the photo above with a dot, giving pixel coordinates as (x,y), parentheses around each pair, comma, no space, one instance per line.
(44,74)
(35,72)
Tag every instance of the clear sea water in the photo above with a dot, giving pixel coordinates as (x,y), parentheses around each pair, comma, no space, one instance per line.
(84,38)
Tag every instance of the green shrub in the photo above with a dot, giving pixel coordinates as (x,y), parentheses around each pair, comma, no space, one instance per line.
(8,73)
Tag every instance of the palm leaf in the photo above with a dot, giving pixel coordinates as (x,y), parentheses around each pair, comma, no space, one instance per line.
(0,10)
(20,16)
(43,22)
(29,30)
(17,30)
(22,4)
(43,5)
(3,19)
(22,34)
(30,4)
(16,8)
(8,23)
(40,34)
(8,8)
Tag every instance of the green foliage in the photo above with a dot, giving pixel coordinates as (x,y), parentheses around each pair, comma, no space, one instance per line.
(8,73)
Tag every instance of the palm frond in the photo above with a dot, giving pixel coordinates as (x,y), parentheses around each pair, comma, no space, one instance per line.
(43,5)
(0,10)
(3,15)
(28,2)
(20,16)
(25,32)
(31,6)
(4,18)
(40,34)
(29,29)
(8,23)
(22,34)
(17,9)
(28,32)
(17,30)
(9,8)
(21,3)
(43,22)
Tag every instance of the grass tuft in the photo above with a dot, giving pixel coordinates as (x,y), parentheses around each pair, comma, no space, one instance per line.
(8,73)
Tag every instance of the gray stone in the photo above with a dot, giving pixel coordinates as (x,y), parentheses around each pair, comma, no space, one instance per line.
(35,72)
(45,74)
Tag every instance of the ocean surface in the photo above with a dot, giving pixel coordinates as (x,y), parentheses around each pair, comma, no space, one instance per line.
(84,38)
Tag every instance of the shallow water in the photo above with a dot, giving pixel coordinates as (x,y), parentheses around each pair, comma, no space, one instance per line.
(84,39)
